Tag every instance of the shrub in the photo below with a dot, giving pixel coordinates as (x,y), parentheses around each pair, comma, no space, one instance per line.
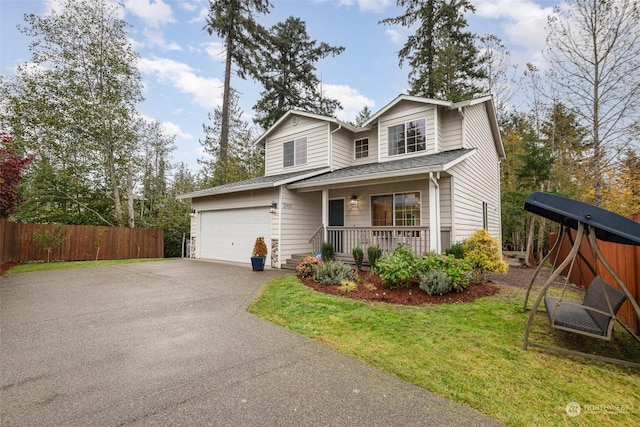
(374,253)
(259,248)
(436,283)
(459,270)
(332,273)
(483,253)
(327,251)
(398,269)
(457,250)
(358,256)
(347,286)
(307,266)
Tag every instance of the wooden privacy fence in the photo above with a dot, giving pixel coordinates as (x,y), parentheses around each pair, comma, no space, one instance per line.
(18,242)
(624,259)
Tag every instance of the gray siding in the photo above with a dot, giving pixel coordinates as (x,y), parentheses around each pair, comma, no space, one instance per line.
(477,179)
(451,130)
(301,216)
(342,144)
(317,140)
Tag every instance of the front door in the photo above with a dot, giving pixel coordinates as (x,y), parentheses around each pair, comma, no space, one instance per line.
(336,219)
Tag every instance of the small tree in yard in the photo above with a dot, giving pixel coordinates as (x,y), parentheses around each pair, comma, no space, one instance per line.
(482,251)
(50,239)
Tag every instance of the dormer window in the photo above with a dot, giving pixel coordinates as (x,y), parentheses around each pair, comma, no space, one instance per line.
(408,137)
(294,153)
(362,148)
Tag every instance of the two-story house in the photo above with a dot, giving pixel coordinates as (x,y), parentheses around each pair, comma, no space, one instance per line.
(419,172)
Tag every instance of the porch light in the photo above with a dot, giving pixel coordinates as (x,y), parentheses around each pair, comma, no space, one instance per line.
(273,207)
(354,200)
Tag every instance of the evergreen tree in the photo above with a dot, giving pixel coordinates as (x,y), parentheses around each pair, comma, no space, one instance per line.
(155,165)
(443,59)
(243,161)
(289,77)
(244,40)
(566,139)
(363,116)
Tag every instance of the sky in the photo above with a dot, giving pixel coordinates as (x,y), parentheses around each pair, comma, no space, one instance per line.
(182,66)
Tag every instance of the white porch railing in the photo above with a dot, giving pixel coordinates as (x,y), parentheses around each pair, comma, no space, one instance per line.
(344,239)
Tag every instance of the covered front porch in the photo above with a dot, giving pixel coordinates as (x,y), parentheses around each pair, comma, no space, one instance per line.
(345,239)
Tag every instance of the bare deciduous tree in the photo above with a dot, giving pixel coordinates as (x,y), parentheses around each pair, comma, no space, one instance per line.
(594,47)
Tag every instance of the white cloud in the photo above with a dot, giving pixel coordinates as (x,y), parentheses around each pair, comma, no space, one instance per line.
(154,13)
(352,102)
(169,128)
(523,21)
(173,129)
(378,6)
(395,36)
(189,7)
(215,50)
(205,92)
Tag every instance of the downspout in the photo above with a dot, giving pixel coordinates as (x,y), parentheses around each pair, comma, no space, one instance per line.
(331,146)
(434,213)
(279,236)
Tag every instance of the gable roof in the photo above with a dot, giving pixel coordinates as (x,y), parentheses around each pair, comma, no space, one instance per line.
(288,114)
(404,98)
(488,100)
(257,183)
(438,162)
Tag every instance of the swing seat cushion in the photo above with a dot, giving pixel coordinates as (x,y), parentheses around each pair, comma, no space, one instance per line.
(577,317)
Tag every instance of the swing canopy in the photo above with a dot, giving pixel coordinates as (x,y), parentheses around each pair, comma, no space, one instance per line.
(608,226)
(597,313)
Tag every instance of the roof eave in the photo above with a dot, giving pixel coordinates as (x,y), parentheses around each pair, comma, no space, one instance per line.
(369,177)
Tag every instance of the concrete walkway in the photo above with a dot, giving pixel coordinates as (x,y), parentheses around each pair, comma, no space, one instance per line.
(170,343)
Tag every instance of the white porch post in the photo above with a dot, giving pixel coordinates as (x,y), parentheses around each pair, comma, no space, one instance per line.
(325,214)
(434,213)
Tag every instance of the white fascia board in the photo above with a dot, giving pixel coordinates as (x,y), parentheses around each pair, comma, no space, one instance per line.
(300,177)
(401,98)
(369,177)
(214,191)
(454,162)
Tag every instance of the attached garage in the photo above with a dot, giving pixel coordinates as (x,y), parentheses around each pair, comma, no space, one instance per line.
(229,235)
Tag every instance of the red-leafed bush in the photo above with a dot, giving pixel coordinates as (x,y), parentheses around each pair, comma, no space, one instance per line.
(11,167)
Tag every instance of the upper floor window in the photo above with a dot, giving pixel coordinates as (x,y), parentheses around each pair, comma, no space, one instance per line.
(362,148)
(294,153)
(408,137)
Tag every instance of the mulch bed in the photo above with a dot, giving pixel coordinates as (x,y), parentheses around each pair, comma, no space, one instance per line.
(404,296)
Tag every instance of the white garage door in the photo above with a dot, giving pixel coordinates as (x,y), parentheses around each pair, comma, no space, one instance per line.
(229,235)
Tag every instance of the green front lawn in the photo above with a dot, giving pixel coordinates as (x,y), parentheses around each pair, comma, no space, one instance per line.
(470,353)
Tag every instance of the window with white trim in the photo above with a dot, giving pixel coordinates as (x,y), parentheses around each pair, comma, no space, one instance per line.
(398,209)
(294,153)
(362,148)
(408,137)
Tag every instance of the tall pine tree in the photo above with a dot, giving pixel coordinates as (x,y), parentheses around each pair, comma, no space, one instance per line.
(289,77)
(443,59)
(244,40)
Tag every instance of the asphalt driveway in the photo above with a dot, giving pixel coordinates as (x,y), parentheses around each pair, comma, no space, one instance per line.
(171,343)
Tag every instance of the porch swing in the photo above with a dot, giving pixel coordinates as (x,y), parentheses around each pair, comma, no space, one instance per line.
(596,315)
